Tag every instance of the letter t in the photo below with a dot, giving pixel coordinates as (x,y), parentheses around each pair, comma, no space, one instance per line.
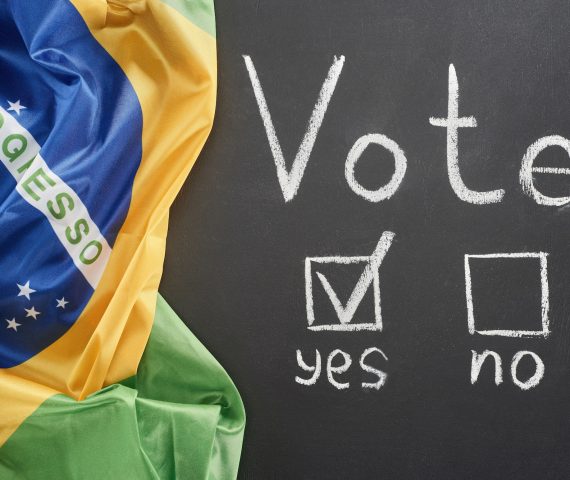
(453,122)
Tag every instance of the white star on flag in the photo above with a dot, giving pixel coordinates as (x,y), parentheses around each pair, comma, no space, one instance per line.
(16,106)
(13,324)
(25,290)
(61,302)
(32,312)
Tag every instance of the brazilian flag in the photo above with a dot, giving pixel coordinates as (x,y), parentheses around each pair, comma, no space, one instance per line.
(104,108)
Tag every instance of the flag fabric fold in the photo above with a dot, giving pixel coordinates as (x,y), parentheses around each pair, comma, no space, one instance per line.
(104,108)
(179,417)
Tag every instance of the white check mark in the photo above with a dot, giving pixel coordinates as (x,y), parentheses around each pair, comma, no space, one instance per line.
(346,313)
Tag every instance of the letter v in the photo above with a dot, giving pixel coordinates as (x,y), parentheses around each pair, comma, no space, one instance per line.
(290,181)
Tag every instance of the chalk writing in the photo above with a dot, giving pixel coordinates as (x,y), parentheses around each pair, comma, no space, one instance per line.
(290,181)
(542,269)
(339,362)
(478,359)
(369,276)
(356,151)
(334,369)
(453,123)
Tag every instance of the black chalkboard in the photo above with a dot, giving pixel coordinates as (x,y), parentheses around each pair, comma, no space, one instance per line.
(236,257)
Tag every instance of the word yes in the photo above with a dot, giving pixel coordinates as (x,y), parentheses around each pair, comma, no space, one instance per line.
(339,369)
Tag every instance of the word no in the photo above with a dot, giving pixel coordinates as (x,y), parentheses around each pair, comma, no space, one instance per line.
(291,180)
(478,359)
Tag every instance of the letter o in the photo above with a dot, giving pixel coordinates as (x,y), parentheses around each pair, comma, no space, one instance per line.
(385,192)
(89,260)
(538,374)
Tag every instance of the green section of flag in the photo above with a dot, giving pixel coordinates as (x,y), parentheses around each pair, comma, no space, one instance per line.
(199,12)
(181,417)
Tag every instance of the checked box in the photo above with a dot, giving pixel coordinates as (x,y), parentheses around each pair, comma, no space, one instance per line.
(369,276)
(507,294)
